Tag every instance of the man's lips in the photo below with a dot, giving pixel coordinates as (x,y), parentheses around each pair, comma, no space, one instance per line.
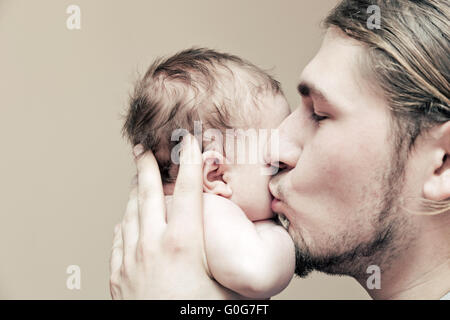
(275,201)
(277,208)
(275,205)
(272,190)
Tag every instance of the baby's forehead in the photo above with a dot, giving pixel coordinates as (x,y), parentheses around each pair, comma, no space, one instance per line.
(265,109)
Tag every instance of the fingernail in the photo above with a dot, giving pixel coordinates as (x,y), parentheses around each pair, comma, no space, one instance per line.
(137,150)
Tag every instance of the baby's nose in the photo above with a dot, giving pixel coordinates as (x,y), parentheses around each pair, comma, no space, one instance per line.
(272,158)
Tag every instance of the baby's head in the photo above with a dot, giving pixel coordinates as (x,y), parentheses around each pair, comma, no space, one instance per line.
(231,98)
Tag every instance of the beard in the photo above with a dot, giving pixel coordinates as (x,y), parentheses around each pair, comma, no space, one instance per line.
(391,232)
(354,261)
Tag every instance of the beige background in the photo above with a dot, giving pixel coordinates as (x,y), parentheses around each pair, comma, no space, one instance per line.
(65,169)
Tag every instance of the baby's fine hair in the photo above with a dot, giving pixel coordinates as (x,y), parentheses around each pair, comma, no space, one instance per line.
(219,89)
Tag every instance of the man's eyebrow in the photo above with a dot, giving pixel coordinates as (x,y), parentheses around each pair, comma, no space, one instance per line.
(308,89)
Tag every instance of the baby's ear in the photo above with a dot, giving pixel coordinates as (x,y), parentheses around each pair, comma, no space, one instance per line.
(214,168)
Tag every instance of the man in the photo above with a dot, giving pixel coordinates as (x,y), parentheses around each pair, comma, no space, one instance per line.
(364,182)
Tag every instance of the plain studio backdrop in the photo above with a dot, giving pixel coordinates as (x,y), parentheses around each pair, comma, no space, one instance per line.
(65,169)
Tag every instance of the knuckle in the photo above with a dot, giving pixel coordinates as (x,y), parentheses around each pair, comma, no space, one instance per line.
(125,222)
(115,289)
(124,271)
(127,268)
(113,280)
(134,181)
(175,244)
(116,228)
(146,251)
(132,201)
(128,218)
(143,193)
(142,251)
(114,252)
(184,188)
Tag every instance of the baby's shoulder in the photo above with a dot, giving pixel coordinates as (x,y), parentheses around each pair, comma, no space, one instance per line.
(218,203)
(214,203)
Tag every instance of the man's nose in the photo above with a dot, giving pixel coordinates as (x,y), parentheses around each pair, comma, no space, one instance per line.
(285,152)
(285,158)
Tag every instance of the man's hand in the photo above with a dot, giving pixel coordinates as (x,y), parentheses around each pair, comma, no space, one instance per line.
(159,253)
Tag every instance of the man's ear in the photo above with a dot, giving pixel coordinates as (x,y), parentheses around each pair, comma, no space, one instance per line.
(437,185)
(214,169)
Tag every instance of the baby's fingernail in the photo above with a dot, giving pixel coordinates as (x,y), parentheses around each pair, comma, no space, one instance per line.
(137,150)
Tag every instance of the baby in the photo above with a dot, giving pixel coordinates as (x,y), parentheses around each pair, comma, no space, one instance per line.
(246,250)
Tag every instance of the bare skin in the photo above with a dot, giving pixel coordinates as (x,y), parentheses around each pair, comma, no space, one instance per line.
(344,187)
(339,175)
(159,254)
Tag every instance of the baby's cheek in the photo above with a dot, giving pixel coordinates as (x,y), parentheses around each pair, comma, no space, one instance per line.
(257,198)
(261,211)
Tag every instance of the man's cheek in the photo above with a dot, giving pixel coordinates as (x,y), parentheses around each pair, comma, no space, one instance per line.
(315,174)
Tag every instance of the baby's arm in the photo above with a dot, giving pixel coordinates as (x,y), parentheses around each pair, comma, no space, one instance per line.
(257,260)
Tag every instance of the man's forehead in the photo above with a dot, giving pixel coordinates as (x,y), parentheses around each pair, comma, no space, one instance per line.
(334,73)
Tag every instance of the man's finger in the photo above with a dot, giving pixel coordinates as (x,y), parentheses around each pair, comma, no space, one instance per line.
(117,251)
(130,225)
(188,194)
(152,209)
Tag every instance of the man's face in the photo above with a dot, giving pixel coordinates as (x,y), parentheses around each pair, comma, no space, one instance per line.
(339,185)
